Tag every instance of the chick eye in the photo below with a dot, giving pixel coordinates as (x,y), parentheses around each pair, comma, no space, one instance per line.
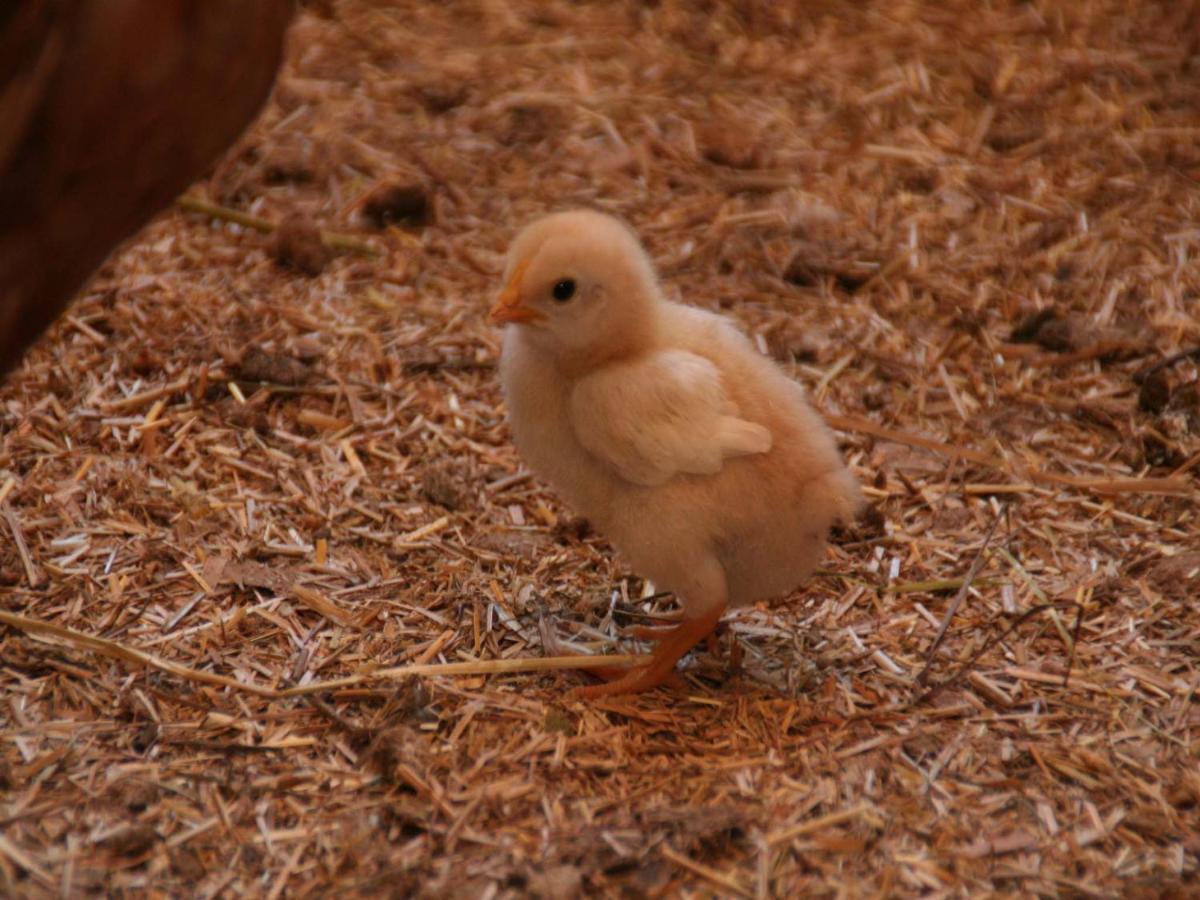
(563,290)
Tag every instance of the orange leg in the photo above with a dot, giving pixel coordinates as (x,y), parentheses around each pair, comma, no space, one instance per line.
(616,673)
(673,643)
(608,673)
(714,644)
(735,656)
(654,633)
(647,632)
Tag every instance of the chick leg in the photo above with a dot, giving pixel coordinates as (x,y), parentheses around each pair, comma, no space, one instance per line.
(671,648)
(616,673)
(647,632)
(657,633)
(608,673)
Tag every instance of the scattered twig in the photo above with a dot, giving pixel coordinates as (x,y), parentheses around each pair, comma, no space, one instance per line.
(1096,485)
(134,401)
(332,239)
(976,565)
(114,650)
(720,879)
(935,585)
(1142,374)
(792,832)
(1039,593)
(1093,351)
(995,639)
(225,214)
(26,862)
(31,573)
(866,426)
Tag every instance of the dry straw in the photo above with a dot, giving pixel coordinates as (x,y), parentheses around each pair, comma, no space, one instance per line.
(241,507)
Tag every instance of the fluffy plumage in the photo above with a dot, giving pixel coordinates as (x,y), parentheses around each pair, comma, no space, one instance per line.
(695,455)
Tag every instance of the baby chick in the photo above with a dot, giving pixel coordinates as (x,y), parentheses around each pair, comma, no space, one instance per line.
(694,454)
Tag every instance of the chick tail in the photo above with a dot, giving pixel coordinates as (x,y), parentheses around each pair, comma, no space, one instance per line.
(839,492)
(737,437)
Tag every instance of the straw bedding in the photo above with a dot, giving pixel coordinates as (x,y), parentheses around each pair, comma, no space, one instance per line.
(251,477)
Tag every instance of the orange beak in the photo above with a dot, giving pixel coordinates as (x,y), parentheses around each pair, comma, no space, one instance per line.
(508,306)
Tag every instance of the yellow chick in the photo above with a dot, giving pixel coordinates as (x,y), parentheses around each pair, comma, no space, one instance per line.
(694,454)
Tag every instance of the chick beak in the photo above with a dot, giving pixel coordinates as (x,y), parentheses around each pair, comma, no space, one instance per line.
(508,306)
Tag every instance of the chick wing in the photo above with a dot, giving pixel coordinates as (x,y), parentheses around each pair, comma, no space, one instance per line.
(661,415)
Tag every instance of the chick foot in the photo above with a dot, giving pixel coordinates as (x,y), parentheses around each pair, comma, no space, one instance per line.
(556,647)
(672,645)
(616,673)
(658,632)
(712,641)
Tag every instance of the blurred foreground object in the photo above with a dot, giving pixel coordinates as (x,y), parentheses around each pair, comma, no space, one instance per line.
(108,109)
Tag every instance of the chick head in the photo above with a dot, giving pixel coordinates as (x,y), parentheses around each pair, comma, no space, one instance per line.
(578,283)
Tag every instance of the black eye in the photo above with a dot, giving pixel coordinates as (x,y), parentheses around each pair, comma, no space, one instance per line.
(563,290)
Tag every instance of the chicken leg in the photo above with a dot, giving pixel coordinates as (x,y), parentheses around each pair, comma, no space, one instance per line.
(673,643)
(656,632)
